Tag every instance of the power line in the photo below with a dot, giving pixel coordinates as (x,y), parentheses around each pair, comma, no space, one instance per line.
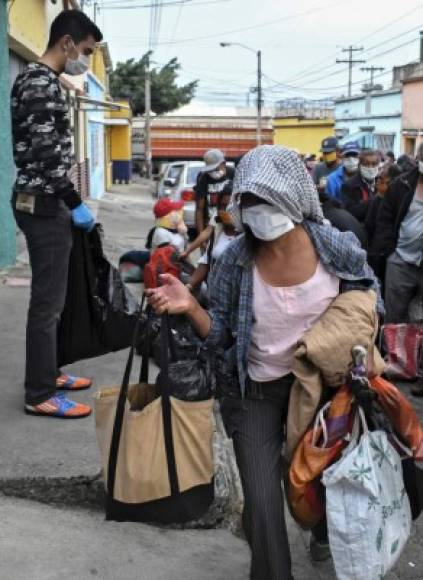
(351,62)
(325,89)
(372,70)
(311,68)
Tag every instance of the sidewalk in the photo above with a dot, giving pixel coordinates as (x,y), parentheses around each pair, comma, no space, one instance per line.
(58,461)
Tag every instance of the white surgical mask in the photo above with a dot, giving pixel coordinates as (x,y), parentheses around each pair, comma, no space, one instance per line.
(350,163)
(217,174)
(266,222)
(421,166)
(77,66)
(369,173)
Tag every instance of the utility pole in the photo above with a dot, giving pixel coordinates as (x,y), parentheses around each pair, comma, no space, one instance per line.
(351,61)
(372,70)
(95,12)
(259,97)
(147,127)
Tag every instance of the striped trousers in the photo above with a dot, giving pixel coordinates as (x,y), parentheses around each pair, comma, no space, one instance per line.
(257,428)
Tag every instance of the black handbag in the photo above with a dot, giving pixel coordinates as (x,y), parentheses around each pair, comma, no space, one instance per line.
(100,313)
(180,505)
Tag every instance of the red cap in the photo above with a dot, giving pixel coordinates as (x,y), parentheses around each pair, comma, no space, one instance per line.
(165,206)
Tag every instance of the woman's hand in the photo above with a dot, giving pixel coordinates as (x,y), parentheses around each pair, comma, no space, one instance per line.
(172,297)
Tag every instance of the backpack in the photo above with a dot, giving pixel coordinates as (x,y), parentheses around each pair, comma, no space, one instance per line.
(163,260)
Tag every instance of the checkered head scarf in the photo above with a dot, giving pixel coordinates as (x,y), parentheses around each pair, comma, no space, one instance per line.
(277,175)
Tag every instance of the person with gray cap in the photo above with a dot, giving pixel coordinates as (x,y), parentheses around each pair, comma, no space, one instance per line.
(211,181)
(330,162)
(266,290)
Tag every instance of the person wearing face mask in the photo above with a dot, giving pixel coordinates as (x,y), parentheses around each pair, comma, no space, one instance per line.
(358,192)
(310,162)
(45,204)
(398,241)
(387,174)
(221,233)
(347,169)
(170,228)
(330,163)
(267,289)
(211,182)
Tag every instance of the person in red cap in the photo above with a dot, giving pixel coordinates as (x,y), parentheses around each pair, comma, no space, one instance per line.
(170,227)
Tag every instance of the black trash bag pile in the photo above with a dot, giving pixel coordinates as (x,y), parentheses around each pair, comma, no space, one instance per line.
(100,313)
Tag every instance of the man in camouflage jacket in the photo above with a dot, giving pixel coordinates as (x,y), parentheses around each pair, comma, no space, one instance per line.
(46,203)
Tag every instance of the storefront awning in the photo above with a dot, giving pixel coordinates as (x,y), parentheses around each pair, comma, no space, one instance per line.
(88,104)
(112,122)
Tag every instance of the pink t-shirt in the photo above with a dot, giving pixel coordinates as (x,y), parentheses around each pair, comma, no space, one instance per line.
(282,315)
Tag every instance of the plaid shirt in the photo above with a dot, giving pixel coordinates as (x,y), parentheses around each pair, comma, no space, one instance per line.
(231,287)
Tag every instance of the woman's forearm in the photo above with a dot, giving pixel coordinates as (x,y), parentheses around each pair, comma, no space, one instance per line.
(200,275)
(201,239)
(199,318)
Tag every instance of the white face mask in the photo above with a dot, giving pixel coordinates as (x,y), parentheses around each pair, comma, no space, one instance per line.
(77,66)
(369,173)
(421,167)
(217,174)
(266,222)
(350,164)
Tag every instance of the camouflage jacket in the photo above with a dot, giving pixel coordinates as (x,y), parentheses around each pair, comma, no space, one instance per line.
(41,137)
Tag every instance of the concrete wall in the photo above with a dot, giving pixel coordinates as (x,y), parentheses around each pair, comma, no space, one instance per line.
(28,28)
(381,114)
(412,111)
(412,116)
(7,222)
(305,135)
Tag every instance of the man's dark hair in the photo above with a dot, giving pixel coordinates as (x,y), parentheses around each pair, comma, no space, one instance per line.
(369,153)
(76,24)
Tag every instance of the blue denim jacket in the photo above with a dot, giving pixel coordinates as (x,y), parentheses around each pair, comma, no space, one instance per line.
(231,286)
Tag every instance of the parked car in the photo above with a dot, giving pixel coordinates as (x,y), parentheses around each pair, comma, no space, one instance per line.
(178,183)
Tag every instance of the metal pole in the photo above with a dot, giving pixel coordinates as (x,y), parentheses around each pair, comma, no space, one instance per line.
(259,97)
(147,128)
(95,12)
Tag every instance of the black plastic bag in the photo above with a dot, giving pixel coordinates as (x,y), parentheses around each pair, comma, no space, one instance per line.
(182,338)
(190,379)
(100,313)
(413,482)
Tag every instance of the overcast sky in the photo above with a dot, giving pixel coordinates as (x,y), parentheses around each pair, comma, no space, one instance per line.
(300,42)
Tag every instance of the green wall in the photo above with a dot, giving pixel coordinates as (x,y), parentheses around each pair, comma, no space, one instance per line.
(7,222)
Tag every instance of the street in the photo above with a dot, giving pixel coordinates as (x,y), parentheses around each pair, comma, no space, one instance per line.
(51,492)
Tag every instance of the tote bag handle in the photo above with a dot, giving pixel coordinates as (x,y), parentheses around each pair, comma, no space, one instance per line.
(165,339)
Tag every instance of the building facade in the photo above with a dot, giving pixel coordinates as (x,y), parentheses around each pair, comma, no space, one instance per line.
(189,131)
(412,115)
(372,118)
(301,133)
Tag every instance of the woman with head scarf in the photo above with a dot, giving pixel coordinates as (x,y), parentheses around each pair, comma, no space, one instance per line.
(268,288)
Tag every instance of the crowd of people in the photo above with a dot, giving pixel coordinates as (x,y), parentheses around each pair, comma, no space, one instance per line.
(380,200)
(283,241)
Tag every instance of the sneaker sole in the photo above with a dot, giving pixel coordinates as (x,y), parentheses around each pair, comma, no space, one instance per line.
(73,389)
(51,416)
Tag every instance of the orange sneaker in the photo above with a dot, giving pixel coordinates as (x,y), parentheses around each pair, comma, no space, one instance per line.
(71,383)
(59,406)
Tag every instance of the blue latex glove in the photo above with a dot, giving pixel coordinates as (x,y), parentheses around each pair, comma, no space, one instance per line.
(82,217)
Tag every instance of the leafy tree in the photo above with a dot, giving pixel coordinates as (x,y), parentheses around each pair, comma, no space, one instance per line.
(127,81)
